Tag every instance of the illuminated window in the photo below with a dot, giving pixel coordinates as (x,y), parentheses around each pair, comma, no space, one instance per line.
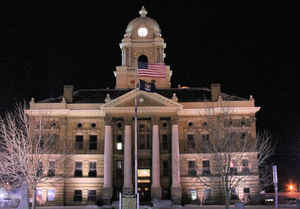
(93,142)
(92,169)
(77,196)
(39,195)
(144,173)
(193,194)
(119,143)
(51,195)
(92,195)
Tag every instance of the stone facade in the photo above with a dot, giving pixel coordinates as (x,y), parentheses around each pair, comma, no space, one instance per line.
(98,125)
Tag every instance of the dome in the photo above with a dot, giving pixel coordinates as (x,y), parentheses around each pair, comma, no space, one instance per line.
(143,20)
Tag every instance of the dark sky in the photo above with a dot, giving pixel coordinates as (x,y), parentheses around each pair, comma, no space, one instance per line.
(248,47)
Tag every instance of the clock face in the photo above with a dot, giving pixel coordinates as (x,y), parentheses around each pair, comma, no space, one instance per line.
(142,32)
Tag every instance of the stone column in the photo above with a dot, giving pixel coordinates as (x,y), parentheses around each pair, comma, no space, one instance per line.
(127,186)
(107,187)
(155,188)
(176,187)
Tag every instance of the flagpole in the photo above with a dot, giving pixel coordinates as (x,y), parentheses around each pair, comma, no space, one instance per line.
(135,141)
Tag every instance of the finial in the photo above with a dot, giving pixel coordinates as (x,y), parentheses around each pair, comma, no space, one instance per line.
(107,99)
(174,97)
(251,98)
(63,100)
(220,98)
(32,100)
(143,12)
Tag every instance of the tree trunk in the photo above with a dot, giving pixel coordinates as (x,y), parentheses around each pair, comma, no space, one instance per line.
(33,198)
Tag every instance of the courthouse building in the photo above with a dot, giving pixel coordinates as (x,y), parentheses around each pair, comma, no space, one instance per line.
(99,124)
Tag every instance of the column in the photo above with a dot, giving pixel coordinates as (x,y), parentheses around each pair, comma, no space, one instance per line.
(176,187)
(155,188)
(107,187)
(127,186)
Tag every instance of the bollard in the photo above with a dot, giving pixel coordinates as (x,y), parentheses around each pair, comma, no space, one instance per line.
(239,205)
(298,204)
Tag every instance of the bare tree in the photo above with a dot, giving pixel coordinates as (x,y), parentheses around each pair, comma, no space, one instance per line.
(26,145)
(230,144)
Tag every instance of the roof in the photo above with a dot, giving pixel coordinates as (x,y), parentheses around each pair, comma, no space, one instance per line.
(183,95)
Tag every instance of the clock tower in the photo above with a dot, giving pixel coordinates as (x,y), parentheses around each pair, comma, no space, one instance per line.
(142,42)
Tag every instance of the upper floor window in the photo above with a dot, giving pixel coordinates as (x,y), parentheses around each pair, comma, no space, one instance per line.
(165,143)
(205,167)
(119,145)
(79,142)
(93,142)
(191,141)
(78,169)
(245,166)
(51,171)
(192,168)
(165,168)
(92,169)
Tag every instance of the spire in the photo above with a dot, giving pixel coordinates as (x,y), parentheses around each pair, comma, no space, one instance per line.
(143,12)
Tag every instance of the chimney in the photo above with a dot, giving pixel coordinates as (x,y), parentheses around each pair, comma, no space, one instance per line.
(215,91)
(68,93)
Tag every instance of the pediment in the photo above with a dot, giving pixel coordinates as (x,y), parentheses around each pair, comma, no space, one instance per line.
(144,99)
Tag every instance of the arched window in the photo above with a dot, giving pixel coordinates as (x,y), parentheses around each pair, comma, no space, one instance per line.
(143,62)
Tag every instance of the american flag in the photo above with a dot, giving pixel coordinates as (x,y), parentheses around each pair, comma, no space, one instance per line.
(157,70)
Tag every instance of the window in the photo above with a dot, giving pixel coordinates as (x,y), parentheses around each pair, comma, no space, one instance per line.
(39,195)
(165,145)
(77,196)
(233,171)
(194,195)
(51,195)
(78,169)
(93,125)
(52,141)
(51,171)
(79,142)
(191,141)
(144,140)
(204,124)
(40,169)
(245,166)
(93,169)
(205,168)
(243,135)
(246,190)
(192,168)
(119,125)
(119,170)
(165,124)
(42,143)
(79,125)
(205,138)
(165,168)
(119,142)
(92,195)
(190,124)
(93,142)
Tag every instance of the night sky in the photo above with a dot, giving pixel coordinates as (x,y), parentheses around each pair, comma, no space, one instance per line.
(250,48)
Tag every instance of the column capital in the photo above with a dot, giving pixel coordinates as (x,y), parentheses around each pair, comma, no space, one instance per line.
(174,120)
(128,120)
(155,120)
(108,120)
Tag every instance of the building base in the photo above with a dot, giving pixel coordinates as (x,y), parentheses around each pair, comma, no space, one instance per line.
(107,195)
(176,194)
(156,193)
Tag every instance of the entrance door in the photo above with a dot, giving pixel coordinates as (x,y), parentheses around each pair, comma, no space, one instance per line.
(144,184)
(144,190)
